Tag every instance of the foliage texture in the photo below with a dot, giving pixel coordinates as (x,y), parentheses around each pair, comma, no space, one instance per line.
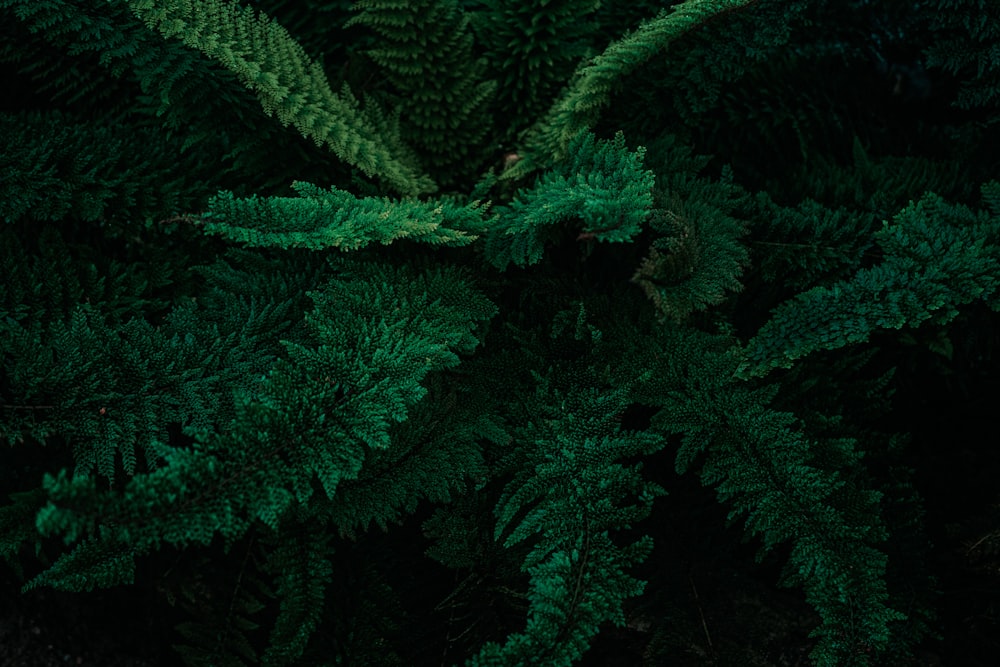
(485,333)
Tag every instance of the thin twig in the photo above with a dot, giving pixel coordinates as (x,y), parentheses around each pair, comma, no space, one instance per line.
(704,624)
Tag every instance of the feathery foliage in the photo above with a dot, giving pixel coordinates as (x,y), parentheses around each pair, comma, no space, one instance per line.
(589,91)
(687,264)
(533,47)
(966,48)
(288,84)
(321,219)
(601,185)
(937,258)
(425,52)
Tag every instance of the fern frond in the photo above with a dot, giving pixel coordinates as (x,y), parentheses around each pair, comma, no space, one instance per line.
(579,107)
(321,219)
(938,257)
(288,83)
(299,561)
(600,184)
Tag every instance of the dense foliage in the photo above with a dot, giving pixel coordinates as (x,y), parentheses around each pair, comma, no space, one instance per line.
(505,333)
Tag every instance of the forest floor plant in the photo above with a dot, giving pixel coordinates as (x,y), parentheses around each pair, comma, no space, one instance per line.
(535,333)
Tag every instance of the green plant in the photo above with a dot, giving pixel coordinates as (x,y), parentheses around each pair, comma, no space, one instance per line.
(287,321)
